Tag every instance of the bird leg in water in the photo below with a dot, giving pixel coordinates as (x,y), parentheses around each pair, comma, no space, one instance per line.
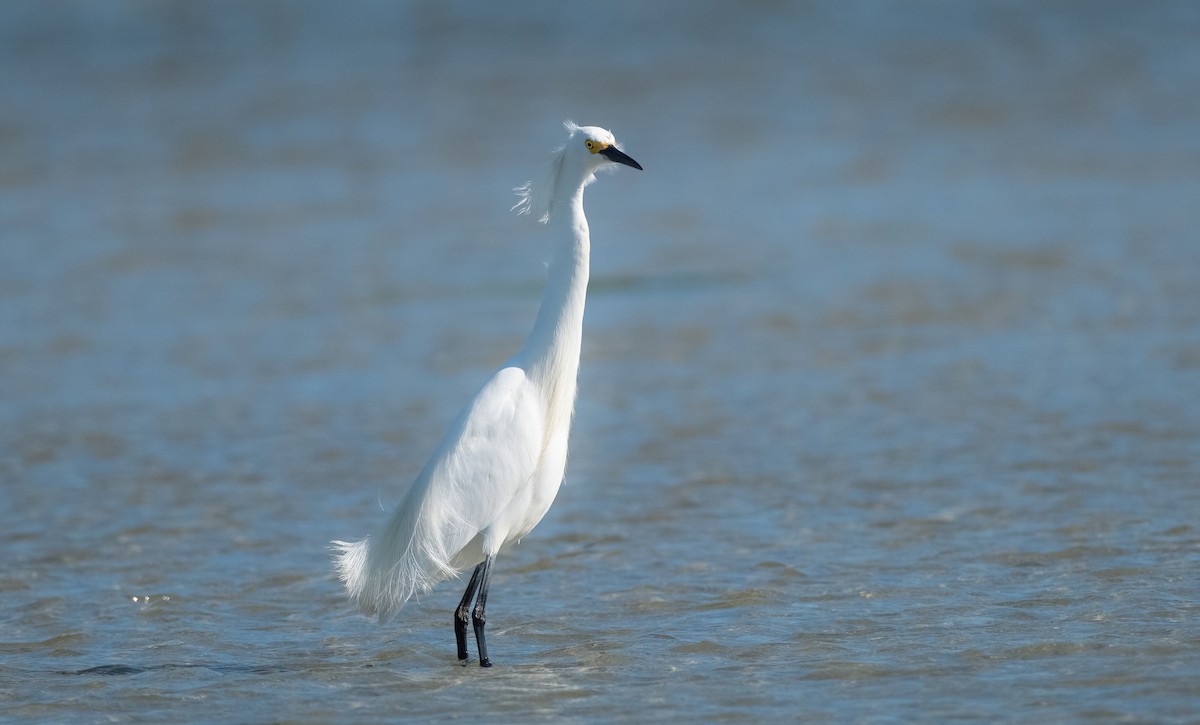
(460,615)
(477,616)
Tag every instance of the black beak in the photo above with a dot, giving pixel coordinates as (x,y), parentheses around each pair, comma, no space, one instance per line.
(612,153)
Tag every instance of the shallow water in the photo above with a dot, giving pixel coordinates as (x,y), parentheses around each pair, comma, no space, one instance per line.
(889,398)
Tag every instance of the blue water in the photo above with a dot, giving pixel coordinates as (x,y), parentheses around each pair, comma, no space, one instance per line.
(890,398)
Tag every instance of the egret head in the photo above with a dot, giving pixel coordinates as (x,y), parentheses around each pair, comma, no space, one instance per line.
(588,149)
(601,145)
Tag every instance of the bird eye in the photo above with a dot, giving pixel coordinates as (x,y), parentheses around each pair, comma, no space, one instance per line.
(591,145)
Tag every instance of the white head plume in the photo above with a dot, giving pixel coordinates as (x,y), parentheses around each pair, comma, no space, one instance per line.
(536,194)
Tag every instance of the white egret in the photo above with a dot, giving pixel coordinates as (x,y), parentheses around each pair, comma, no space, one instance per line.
(500,464)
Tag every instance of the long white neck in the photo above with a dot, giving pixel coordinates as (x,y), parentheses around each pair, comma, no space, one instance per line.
(551,354)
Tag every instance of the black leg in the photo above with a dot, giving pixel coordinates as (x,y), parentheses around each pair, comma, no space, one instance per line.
(477,616)
(460,615)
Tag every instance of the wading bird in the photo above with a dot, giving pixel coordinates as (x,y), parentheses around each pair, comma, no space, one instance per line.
(500,464)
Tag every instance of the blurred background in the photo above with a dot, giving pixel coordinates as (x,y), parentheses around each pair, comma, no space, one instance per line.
(890,396)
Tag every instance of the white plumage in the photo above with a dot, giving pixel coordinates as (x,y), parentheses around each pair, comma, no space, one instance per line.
(499,467)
